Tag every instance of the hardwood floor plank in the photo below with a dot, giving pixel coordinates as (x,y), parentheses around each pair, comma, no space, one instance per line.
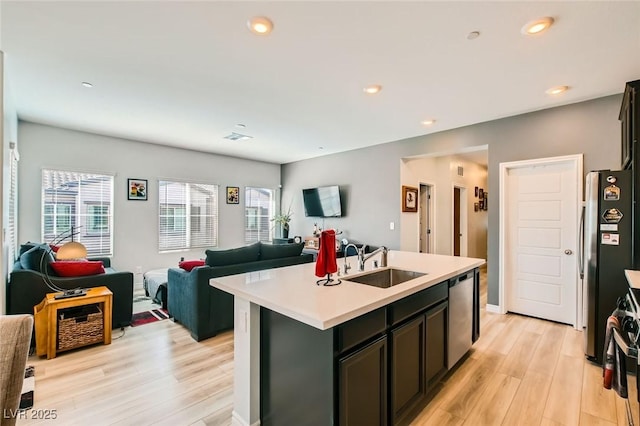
(529,402)
(518,359)
(440,418)
(506,339)
(491,407)
(460,397)
(573,343)
(563,402)
(547,352)
(587,419)
(596,400)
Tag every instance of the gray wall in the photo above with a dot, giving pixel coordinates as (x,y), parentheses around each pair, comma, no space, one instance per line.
(135,222)
(370,177)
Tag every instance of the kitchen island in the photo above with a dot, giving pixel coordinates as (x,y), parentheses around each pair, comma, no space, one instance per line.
(309,354)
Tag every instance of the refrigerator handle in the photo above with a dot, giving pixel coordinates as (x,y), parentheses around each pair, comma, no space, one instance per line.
(581,243)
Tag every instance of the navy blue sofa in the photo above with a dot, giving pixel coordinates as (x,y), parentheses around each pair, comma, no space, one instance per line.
(205,310)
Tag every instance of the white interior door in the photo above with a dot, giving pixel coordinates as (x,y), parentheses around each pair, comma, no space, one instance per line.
(540,254)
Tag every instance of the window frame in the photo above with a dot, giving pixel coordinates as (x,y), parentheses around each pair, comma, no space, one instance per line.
(263,221)
(203,221)
(76,190)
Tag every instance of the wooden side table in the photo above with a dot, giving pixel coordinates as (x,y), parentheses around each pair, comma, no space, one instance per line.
(46,317)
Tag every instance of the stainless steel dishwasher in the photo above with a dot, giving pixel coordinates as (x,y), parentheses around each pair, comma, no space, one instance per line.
(460,317)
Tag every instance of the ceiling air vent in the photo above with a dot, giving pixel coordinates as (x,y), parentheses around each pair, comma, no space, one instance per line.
(238,137)
(460,171)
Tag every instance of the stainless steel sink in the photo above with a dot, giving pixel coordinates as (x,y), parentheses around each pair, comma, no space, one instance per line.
(385,278)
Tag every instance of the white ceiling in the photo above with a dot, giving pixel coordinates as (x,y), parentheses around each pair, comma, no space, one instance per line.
(185,73)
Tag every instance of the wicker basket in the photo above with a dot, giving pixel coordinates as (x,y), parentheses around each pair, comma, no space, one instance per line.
(79,326)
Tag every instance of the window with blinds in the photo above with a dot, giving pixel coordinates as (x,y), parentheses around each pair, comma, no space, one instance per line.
(258,211)
(12,225)
(188,215)
(78,206)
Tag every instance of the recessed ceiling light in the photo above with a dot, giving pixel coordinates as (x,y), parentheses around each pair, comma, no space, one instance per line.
(556,90)
(473,34)
(238,137)
(86,84)
(260,25)
(428,122)
(373,89)
(241,126)
(537,26)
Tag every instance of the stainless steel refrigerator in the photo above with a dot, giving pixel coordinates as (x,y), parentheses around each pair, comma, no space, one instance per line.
(607,251)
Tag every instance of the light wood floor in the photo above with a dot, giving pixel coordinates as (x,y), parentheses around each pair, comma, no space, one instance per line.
(522,371)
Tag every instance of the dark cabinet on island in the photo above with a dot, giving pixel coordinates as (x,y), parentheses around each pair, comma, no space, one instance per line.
(376,369)
(356,353)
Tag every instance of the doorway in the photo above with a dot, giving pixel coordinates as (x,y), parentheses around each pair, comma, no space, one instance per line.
(426,233)
(540,203)
(459,221)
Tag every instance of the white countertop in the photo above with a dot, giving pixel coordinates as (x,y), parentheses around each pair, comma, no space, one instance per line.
(633,277)
(292,290)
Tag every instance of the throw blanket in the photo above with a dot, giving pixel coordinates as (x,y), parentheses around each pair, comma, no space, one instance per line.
(614,365)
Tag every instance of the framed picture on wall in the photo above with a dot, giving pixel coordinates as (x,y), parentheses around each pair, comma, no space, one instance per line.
(409,199)
(233,195)
(476,207)
(137,189)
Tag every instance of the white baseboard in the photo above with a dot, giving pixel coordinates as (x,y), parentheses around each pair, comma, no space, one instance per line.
(236,420)
(493,308)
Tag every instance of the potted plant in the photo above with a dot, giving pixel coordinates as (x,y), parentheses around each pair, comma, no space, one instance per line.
(283,220)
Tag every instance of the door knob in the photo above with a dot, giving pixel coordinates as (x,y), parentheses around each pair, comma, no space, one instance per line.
(568,252)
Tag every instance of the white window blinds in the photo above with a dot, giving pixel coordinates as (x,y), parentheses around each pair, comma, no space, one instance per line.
(259,208)
(188,215)
(12,225)
(72,204)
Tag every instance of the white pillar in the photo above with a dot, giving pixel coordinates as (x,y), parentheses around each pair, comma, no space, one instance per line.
(246,353)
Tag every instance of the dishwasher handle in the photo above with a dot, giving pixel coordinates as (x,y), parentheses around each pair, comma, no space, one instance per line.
(461,278)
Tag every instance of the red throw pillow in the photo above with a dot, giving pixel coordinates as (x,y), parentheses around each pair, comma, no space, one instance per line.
(77,268)
(188,265)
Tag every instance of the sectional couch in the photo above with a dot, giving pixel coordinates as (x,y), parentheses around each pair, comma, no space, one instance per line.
(205,310)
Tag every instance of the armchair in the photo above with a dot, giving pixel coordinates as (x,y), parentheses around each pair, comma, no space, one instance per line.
(15,338)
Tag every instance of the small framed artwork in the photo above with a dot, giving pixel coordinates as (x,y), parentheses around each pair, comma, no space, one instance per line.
(480,193)
(137,189)
(409,199)
(233,195)
(481,204)
(486,200)
(476,191)
(476,207)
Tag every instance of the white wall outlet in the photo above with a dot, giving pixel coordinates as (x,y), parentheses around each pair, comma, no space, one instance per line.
(138,269)
(392,226)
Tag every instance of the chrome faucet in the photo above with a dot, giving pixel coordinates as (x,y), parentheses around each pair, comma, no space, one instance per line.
(346,249)
(362,258)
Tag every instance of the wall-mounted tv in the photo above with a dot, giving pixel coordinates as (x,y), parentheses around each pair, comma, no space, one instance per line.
(322,202)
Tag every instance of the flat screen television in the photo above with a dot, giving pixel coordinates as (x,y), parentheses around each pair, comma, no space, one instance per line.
(322,202)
